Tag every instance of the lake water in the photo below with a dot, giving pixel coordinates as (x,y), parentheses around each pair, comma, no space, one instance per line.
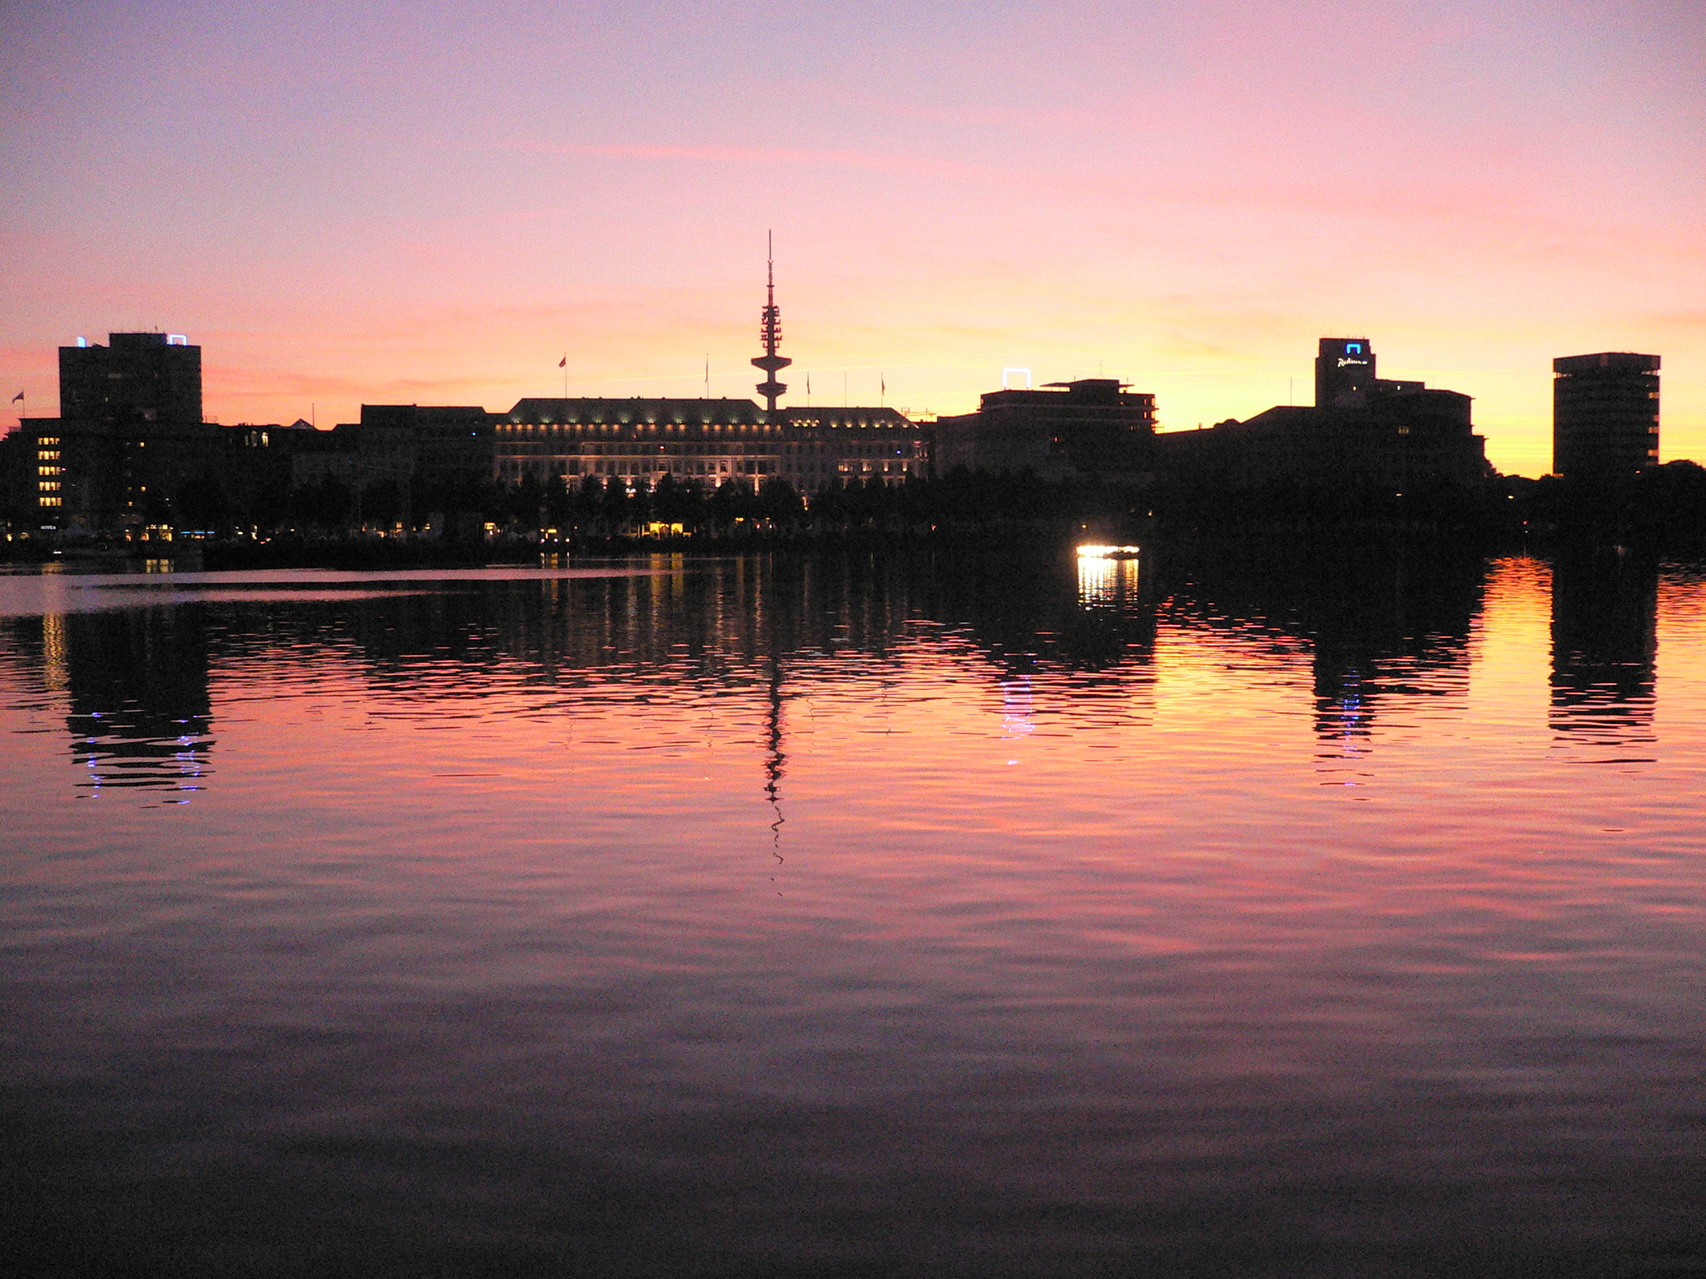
(1225,914)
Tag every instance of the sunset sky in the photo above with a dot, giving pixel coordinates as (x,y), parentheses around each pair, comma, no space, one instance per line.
(434,203)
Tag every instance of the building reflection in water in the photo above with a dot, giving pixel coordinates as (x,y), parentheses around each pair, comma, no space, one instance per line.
(1604,644)
(1049,637)
(139,712)
(1383,627)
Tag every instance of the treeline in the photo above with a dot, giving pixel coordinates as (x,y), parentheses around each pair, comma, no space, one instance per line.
(1663,507)
(592,508)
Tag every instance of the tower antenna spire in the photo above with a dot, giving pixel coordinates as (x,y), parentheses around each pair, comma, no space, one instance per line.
(770,332)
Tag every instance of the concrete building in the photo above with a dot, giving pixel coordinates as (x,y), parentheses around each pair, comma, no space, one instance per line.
(136,377)
(1605,415)
(639,441)
(1363,432)
(128,433)
(435,446)
(1345,375)
(1063,430)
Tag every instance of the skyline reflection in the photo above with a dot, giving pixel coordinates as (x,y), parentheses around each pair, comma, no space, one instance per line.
(1604,648)
(786,893)
(1378,633)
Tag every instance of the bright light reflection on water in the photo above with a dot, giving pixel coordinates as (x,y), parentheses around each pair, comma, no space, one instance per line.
(848,916)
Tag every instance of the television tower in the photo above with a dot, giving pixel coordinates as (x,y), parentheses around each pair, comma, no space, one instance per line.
(770,333)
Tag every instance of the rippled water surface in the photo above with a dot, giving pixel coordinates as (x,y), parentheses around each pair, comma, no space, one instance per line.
(1298,916)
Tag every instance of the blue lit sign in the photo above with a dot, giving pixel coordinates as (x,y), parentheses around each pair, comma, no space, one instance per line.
(1353,348)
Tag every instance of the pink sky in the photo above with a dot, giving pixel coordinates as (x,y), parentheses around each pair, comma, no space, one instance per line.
(433,203)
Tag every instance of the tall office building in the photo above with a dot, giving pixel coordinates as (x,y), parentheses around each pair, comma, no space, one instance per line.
(1345,378)
(137,377)
(128,435)
(1605,415)
(1364,432)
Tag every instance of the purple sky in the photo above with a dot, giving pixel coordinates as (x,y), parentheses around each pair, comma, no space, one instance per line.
(435,202)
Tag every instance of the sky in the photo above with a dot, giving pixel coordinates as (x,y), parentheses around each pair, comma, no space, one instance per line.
(435,203)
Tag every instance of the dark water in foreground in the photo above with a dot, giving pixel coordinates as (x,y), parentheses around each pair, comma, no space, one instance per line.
(857,917)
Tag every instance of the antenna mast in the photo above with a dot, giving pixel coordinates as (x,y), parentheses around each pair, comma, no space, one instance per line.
(770,334)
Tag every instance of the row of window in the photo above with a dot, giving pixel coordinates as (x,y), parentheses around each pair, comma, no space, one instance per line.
(744,428)
(514,469)
(618,428)
(858,448)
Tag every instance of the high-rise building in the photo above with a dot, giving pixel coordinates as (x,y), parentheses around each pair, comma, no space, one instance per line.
(1605,415)
(137,377)
(129,433)
(1345,378)
(1363,433)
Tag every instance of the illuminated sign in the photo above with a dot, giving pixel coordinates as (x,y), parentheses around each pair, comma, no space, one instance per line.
(1353,348)
(177,339)
(1345,362)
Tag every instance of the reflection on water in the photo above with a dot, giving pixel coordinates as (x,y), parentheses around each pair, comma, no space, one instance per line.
(1604,644)
(1381,629)
(1223,914)
(137,707)
(1107,582)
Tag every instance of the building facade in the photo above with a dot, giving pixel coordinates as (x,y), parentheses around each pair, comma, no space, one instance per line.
(1605,415)
(637,442)
(1063,430)
(1345,375)
(1363,432)
(129,433)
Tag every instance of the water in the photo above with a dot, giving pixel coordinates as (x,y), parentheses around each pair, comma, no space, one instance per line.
(1272,916)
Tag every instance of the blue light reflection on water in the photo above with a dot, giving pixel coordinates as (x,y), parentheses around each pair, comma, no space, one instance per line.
(701,921)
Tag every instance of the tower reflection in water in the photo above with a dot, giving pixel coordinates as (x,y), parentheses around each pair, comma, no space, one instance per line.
(139,713)
(1604,645)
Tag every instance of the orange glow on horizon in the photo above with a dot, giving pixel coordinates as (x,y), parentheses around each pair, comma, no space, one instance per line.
(333,211)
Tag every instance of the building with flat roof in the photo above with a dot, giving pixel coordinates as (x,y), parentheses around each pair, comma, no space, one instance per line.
(136,377)
(639,441)
(1605,415)
(129,432)
(1345,375)
(1062,430)
(1363,432)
